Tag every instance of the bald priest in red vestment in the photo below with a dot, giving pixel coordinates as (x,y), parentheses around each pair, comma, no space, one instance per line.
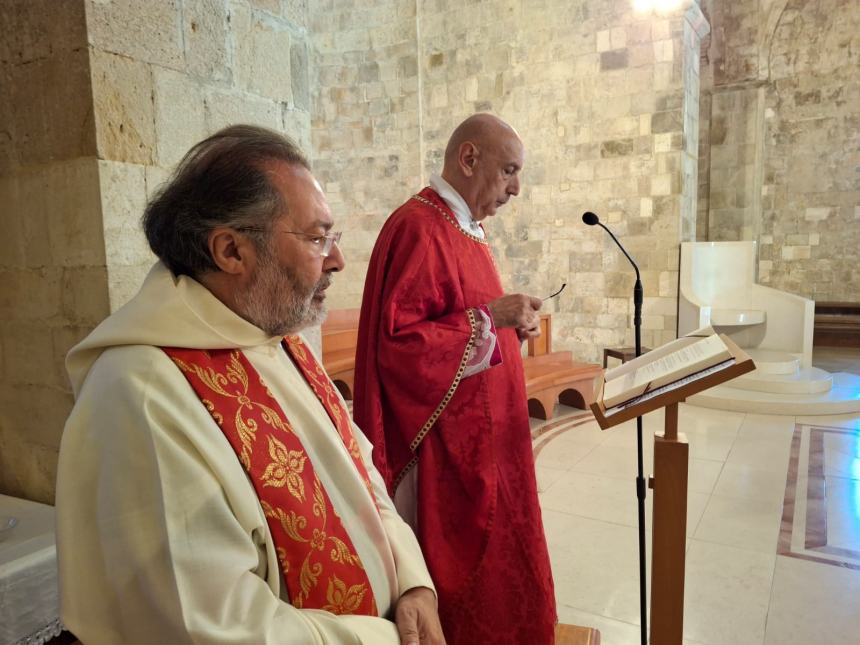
(439,390)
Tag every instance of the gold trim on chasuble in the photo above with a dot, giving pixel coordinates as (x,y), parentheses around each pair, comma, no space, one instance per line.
(319,563)
(473,322)
(462,368)
(451,220)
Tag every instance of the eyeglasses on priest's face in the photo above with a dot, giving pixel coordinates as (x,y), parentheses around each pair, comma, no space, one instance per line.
(324,243)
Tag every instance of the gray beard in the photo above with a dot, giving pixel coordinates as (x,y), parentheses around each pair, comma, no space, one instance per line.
(276,303)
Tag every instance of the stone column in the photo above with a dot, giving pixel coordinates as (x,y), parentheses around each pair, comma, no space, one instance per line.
(53,278)
(103,97)
(696,27)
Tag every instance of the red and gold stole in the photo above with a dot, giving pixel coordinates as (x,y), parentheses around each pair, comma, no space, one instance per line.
(320,565)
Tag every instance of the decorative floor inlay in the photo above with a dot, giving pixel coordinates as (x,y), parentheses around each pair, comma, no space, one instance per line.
(553,428)
(821,510)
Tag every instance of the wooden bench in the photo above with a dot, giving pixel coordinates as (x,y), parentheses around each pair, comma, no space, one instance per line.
(837,324)
(339,339)
(554,376)
(576,635)
(550,376)
(623,354)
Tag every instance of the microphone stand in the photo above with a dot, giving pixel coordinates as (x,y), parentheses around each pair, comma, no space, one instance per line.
(640,477)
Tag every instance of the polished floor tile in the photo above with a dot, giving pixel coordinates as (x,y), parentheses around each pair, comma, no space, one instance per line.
(610,461)
(851,421)
(766,425)
(710,445)
(743,523)
(842,455)
(749,474)
(813,603)
(761,452)
(837,359)
(624,436)
(746,482)
(594,564)
(703,475)
(692,418)
(593,496)
(727,594)
(562,451)
(612,632)
(843,513)
(547,476)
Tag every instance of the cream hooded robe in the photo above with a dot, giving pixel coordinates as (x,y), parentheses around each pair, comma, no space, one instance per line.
(161,538)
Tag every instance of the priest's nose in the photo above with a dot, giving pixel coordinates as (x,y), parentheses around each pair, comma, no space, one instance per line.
(334,261)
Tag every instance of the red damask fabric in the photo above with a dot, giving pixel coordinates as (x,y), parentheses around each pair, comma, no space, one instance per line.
(325,391)
(319,563)
(479,523)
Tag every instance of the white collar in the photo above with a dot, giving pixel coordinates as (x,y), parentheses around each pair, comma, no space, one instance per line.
(457,204)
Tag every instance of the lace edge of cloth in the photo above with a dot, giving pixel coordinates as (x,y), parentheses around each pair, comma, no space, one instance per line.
(42,635)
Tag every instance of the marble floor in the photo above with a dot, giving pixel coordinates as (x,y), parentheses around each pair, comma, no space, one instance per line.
(837,359)
(773,525)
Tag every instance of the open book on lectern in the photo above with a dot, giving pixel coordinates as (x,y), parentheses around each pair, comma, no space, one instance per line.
(683,363)
(665,365)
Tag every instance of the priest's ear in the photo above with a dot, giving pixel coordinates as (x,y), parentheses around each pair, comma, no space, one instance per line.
(467,158)
(232,251)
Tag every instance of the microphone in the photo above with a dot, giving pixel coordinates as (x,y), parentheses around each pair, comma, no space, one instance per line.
(591,219)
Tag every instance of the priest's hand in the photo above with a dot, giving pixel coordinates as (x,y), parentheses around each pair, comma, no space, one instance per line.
(417,618)
(530,332)
(516,310)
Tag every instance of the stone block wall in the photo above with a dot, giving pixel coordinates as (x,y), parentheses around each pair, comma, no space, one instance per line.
(595,90)
(371,89)
(53,282)
(167,74)
(782,137)
(366,122)
(736,139)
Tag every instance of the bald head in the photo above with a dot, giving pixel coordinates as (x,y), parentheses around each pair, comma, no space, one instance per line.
(482,162)
(482,129)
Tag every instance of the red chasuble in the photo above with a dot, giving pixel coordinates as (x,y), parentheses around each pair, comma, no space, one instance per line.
(479,523)
(319,563)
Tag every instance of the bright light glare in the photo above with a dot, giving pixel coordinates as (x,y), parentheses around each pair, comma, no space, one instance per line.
(660,6)
(855,494)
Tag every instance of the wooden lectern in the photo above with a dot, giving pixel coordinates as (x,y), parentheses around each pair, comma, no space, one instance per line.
(669,482)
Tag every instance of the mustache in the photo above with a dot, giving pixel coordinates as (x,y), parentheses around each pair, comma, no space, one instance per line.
(324,283)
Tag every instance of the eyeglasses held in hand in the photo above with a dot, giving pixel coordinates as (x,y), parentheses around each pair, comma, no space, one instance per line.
(557,292)
(323,242)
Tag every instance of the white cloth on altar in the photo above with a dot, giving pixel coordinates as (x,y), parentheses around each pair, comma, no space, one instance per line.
(29,600)
(161,537)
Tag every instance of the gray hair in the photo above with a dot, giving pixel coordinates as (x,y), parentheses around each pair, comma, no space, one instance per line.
(221,181)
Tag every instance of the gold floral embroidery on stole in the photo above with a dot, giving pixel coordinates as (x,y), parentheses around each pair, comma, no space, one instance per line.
(319,563)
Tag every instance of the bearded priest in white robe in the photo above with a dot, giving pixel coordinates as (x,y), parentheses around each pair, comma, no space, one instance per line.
(211,487)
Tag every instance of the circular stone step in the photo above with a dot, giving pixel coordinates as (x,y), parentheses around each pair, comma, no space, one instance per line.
(768,361)
(842,398)
(808,380)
